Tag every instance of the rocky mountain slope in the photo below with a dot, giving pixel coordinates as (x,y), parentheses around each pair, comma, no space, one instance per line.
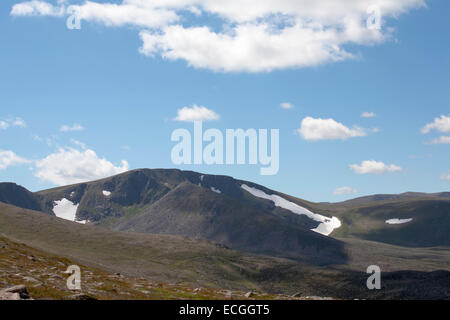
(242,215)
(407,222)
(191,204)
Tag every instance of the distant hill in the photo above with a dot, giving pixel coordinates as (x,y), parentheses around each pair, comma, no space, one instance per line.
(16,195)
(410,221)
(402,196)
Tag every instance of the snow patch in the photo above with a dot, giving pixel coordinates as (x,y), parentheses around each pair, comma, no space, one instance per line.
(72,194)
(65,209)
(326,226)
(201,178)
(216,190)
(398,221)
(106,193)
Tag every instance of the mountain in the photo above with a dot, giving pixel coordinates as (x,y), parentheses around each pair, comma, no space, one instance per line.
(407,221)
(242,215)
(402,196)
(16,195)
(215,208)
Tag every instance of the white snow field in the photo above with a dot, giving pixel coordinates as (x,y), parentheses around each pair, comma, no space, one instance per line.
(398,221)
(326,226)
(66,209)
(216,190)
(106,193)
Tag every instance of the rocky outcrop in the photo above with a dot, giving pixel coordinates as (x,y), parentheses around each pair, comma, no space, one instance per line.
(15,293)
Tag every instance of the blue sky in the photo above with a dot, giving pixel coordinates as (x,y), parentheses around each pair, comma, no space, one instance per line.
(125,99)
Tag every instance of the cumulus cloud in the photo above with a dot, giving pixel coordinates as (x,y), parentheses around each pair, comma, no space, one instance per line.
(286,105)
(74,127)
(256,35)
(9,158)
(344,191)
(247,47)
(196,113)
(328,129)
(441,124)
(69,166)
(37,8)
(374,167)
(368,115)
(446,176)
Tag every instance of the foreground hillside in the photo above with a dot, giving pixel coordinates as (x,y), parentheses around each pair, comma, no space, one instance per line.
(189,263)
(44,276)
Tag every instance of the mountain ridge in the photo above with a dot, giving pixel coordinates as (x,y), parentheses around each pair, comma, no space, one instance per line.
(255,218)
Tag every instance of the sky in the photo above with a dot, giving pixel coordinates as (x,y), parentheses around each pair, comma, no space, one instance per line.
(359,91)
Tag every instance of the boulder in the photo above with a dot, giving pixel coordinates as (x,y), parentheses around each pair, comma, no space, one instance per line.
(15,293)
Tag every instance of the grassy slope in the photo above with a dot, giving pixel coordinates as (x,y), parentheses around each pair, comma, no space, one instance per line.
(44,275)
(188,263)
(162,258)
(430,225)
(365,218)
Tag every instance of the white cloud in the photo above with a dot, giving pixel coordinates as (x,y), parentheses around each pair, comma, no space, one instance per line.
(441,140)
(74,127)
(12,122)
(9,158)
(374,167)
(368,115)
(138,13)
(246,47)
(441,124)
(196,113)
(327,129)
(68,166)
(256,35)
(19,122)
(344,191)
(446,176)
(287,105)
(37,8)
